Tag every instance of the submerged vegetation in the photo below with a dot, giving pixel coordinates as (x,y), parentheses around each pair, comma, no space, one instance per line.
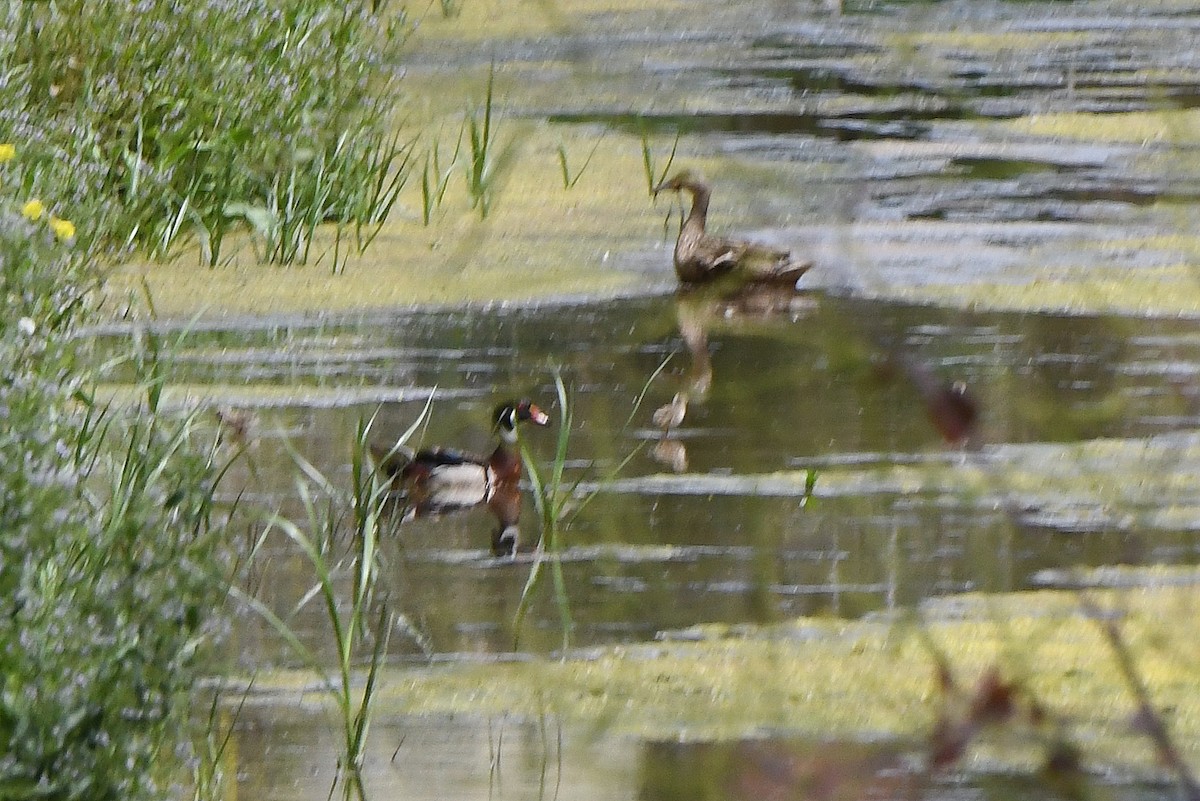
(887,676)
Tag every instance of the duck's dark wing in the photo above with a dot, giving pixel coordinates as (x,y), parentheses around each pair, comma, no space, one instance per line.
(402,461)
(442,457)
(719,255)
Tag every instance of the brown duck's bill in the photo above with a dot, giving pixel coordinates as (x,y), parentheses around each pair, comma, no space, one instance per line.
(671,184)
(681,180)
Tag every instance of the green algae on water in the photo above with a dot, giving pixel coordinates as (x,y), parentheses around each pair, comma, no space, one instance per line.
(854,679)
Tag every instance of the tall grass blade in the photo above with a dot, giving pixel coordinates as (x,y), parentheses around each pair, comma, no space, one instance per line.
(641,396)
(655,177)
(480,140)
(426,194)
(569,181)
(550,500)
(670,160)
(562,163)
(328,511)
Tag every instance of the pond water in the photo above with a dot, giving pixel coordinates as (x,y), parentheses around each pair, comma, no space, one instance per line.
(810,389)
(890,117)
(499,758)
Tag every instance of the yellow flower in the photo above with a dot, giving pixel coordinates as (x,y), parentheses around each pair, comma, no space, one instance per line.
(7,152)
(33,210)
(63,229)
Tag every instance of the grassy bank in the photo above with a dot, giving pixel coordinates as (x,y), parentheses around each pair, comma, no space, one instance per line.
(146,128)
(109,547)
(165,124)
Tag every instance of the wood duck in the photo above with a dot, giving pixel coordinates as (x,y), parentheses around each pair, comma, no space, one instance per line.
(701,257)
(436,480)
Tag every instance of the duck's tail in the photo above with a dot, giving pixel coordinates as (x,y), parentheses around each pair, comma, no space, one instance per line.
(390,461)
(790,271)
(770,266)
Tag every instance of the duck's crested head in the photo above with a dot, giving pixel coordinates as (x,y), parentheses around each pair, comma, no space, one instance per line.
(508,414)
(684,179)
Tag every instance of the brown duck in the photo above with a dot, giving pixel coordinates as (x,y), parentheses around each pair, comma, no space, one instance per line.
(702,257)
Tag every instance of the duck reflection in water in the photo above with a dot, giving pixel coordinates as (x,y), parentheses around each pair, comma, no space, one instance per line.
(669,451)
(699,310)
(438,480)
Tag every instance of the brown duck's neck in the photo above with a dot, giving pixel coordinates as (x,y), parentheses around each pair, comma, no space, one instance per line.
(700,195)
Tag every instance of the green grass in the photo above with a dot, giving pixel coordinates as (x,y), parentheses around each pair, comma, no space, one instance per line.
(481,137)
(550,498)
(655,175)
(482,162)
(333,516)
(570,180)
(111,537)
(111,540)
(435,178)
(214,766)
(165,124)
